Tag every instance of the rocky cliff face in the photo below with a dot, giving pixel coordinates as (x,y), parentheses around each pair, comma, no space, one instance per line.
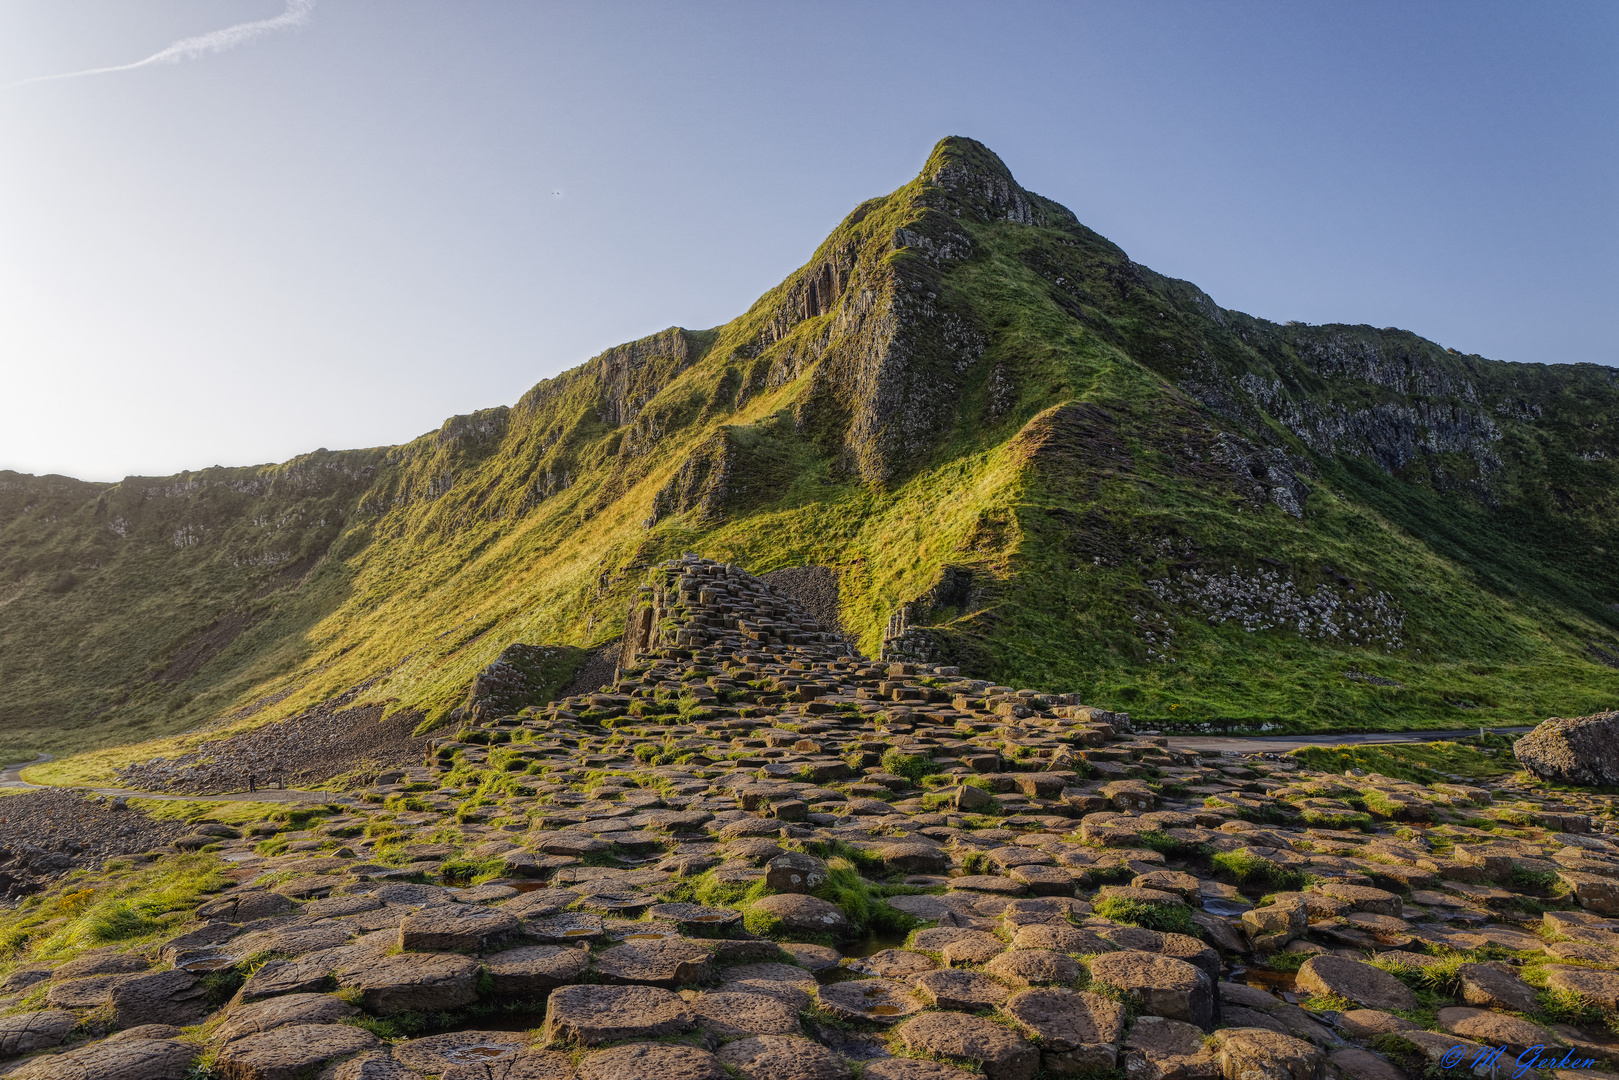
(1019,450)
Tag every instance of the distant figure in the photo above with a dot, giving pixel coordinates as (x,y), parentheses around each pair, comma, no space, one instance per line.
(252,783)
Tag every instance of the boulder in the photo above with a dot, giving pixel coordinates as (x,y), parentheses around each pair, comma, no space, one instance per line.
(795,872)
(1583,750)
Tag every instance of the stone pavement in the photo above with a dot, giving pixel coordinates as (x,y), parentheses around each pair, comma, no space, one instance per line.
(756,855)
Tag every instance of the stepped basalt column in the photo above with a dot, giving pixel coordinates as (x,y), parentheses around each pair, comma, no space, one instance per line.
(694,603)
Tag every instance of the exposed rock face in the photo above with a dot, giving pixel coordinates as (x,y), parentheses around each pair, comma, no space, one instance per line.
(699,603)
(522,675)
(1583,750)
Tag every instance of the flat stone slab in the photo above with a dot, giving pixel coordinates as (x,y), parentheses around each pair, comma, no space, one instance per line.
(1258,1054)
(798,914)
(1064,1020)
(1033,967)
(415,982)
(1360,983)
(589,1015)
(1159,1048)
(913,1069)
(792,984)
(455,928)
(652,1061)
(734,1014)
(437,1054)
(535,970)
(881,1001)
(1493,1028)
(668,963)
(1601,987)
(287,1052)
(902,965)
(961,991)
(113,1059)
(956,945)
(1160,985)
(24,1033)
(782,1057)
(256,1017)
(1000,1053)
(1491,987)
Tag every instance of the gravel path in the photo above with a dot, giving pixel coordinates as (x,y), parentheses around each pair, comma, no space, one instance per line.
(1281,744)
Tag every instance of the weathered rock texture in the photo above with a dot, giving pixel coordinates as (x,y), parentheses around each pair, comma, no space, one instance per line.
(1584,750)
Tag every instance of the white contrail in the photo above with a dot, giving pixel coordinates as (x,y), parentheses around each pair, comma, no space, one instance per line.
(297,14)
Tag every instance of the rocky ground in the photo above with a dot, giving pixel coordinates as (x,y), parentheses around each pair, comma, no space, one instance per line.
(46,831)
(306,750)
(754,857)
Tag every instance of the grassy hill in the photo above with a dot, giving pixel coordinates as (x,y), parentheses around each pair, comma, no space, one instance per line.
(1023,450)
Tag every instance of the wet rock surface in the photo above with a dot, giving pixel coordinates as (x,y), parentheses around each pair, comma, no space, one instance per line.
(753,853)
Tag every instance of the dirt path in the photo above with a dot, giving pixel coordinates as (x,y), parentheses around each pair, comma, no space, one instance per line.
(11,777)
(1281,744)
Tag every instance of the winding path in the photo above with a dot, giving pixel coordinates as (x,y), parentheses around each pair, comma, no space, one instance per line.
(11,777)
(1281,744)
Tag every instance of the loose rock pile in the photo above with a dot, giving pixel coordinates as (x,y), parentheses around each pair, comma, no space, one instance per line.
(301,751)
(45,833)
(755,856)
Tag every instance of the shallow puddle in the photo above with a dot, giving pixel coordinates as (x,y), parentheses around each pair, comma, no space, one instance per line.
(1274,981)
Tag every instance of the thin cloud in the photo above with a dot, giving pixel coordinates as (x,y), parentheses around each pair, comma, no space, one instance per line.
(217,41)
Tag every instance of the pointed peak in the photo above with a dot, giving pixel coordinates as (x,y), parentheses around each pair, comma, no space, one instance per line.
(979,182)
(956,157)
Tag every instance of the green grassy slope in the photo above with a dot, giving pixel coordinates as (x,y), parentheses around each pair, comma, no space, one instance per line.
(1071,472)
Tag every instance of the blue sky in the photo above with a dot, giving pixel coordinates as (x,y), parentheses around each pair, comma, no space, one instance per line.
(339,234)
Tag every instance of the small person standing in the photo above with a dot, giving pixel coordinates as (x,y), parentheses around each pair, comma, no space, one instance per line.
(252,783)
